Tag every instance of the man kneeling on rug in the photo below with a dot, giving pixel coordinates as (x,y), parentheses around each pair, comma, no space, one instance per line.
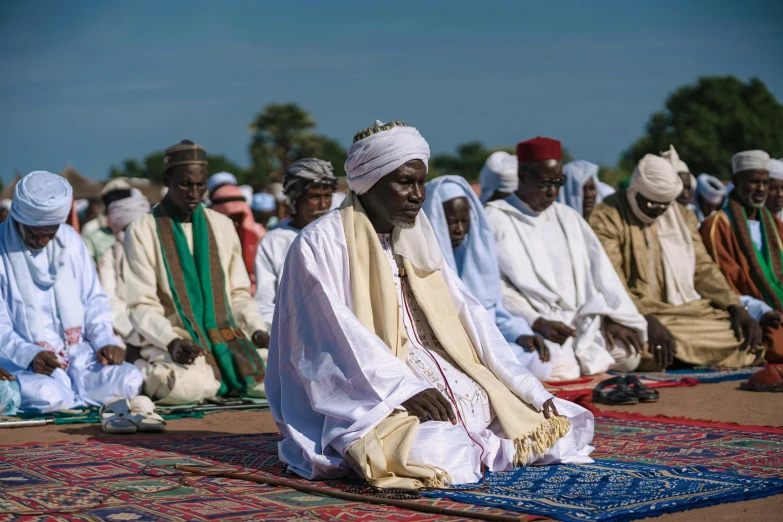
(188,293)
(56,332)
(382,363)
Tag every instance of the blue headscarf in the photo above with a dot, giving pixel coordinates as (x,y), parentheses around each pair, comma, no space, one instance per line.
(577,173)
(475,260)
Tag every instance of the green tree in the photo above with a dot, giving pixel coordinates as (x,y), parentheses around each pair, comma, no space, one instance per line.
(709,122)
(278,131)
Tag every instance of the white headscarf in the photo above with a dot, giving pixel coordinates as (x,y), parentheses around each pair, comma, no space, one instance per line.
(710,189)
(499,174)
(123,211)
(42,199)
(749,160)
(379,154)
(776,169)
(6,204)
(221,178)
(656,179)
(577,173)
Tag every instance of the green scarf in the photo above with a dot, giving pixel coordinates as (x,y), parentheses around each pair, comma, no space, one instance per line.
(766,263)
(198,286)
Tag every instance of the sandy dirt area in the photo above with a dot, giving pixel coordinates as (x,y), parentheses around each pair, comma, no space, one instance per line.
(719,402)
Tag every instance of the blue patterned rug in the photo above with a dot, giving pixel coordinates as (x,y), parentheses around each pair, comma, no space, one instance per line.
(703,374)
(609,490)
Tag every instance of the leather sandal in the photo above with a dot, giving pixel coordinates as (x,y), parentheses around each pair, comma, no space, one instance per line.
(770,379)
(642,392)
(621,394)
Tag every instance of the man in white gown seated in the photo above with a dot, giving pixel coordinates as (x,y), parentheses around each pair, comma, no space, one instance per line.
(56,333)
(382,363)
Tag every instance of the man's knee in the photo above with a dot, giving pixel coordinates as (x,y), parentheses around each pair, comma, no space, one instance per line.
(45,394)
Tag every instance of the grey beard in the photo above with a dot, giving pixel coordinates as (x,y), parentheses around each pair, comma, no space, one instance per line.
(757,205)
(402,224)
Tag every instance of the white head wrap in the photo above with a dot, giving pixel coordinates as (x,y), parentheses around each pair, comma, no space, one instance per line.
(655,179)
(679,165)
(379,154)
(577,173)
(263,202)
(776,169)
(116,184)
(221,178)
(710,189)
(123,211)
(498,175)
(42,199)
(247,191)
(6,204)
(749,160)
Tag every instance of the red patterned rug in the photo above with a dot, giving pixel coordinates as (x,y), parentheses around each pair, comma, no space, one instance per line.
(755,451)
(135,481)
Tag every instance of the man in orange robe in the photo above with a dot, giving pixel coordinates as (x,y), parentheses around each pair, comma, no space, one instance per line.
(744,239)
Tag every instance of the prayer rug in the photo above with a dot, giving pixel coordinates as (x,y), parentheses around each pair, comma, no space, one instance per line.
(754,451)
(704,374)
(611,490)
(134,480)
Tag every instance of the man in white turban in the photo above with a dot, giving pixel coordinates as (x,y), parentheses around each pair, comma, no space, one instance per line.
(381,363)
(692,313)
(744,239)
(121,213)
(556,275)
(56,334)
(309,185)
(775,195)
(498,178)
(708,196)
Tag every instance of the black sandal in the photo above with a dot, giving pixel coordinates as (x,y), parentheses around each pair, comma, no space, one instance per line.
(642,392)
(620,395)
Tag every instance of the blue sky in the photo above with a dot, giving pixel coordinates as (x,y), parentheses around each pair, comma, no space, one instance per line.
(94,82)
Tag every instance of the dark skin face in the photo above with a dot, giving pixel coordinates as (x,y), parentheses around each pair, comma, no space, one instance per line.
(751,187)
(187,185)
(457,213)
(650,208)
(589,195)
(312,204)
(774,197)
(687,190)
(539,183)
(396,199)
(3,214)
(36,238)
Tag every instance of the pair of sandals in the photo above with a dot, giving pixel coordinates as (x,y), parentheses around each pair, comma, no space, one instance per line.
(120,415)
(624,390)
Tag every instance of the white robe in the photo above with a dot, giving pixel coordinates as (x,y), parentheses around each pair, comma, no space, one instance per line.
(270,257)
(330,380)
(86,381)
(554,267)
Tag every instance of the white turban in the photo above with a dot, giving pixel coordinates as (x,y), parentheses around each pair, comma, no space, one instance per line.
(221,178)
(42,199)
(655,179)
(6,204)
(679,165)
(263,202)
(123,211)
(776,169)
(499,174)
(749,160)
(379,154)
(116,184)
(710,189)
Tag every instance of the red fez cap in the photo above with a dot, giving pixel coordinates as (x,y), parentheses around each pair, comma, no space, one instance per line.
(539,149)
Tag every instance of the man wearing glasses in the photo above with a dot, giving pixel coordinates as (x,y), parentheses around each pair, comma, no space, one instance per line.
(692,313)
(556,274)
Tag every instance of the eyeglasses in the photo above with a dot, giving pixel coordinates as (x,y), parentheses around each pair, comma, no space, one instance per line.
(657,206)
(547,183)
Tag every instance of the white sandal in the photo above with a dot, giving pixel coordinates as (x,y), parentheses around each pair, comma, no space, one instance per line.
(144,416)
(116,416)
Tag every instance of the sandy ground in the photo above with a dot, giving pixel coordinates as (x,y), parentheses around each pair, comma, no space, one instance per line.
(718,402)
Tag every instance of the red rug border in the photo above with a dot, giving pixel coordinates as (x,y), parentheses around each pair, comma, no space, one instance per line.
(687,421)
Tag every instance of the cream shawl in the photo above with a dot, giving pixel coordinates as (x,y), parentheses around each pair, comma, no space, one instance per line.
(382,454)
